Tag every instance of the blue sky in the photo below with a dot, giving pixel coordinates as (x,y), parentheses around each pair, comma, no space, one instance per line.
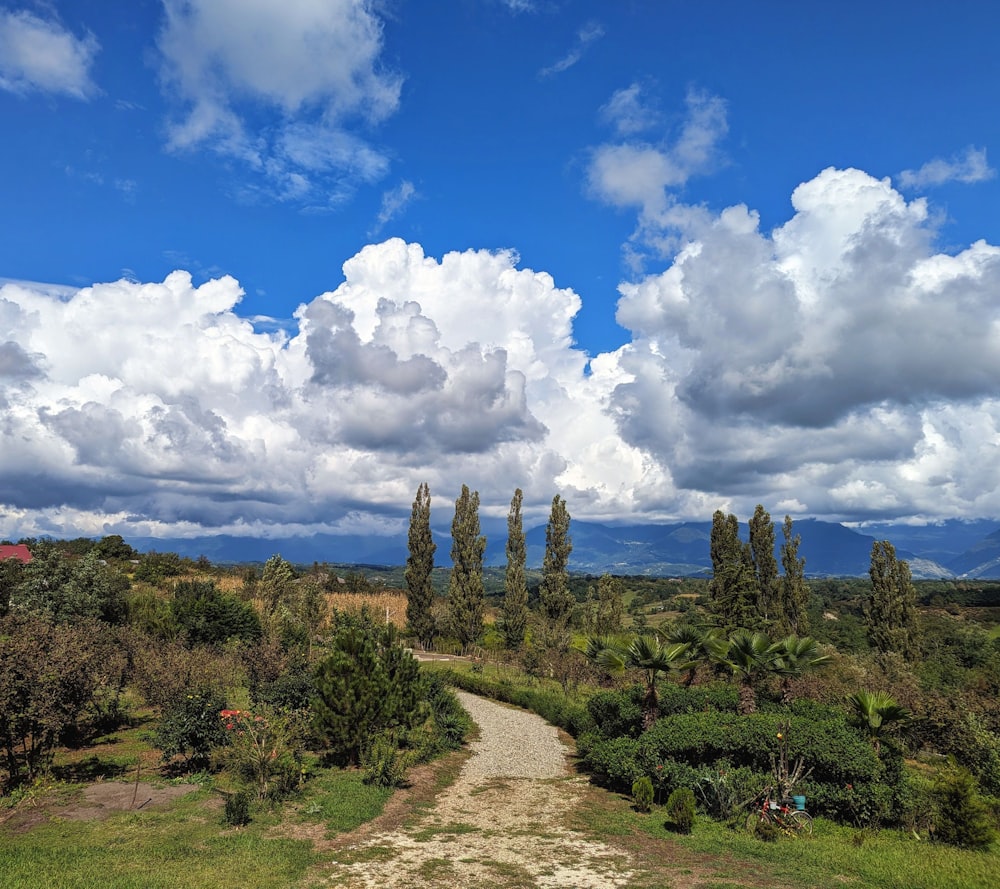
(267,266)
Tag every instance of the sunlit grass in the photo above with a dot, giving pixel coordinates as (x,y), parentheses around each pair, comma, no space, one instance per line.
(833,855)
(182,846)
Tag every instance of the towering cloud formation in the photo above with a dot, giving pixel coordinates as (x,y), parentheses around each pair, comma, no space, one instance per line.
(836,366)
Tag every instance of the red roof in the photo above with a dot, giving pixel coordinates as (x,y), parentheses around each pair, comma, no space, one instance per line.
(15,551)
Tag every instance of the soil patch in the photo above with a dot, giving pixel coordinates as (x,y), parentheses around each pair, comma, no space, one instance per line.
(94,803)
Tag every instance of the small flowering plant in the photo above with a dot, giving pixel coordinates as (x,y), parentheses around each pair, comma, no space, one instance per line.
(262,751)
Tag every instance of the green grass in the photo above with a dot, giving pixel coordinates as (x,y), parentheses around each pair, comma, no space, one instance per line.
(342,800)
(834,855)
(185,845)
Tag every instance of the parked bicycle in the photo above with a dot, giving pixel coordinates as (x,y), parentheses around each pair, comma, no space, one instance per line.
(784,815)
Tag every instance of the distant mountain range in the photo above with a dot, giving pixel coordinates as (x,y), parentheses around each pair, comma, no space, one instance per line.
(951,549)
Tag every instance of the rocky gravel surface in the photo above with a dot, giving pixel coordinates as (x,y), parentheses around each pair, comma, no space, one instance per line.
(501,824)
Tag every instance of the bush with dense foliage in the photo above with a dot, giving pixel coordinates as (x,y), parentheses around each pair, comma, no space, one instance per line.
(680,810)
(684,749)
(963,818)
(642,793)
(208,617)
(263,749)
(367,684)
(191,728)
(49,673)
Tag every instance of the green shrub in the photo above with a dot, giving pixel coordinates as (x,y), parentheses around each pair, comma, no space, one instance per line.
(617,714)
(720,696)
(612,761)
(680,810)
(451,723)
(237,811)
(383,763)
(263,749)
(207,617)
(368,684)
(725,791)
(191,728)
(642,793)
(963,817)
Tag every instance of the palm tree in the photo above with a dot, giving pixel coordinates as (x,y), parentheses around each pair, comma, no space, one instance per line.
(701,646)
(643,653)
(750,657)
(875,712)
(796,655)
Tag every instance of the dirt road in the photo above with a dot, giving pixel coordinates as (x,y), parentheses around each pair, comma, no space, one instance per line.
(502,824)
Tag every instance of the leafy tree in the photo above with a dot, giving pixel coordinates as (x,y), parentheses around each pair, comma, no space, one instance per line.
(369,683)
(419,568)
(155,567)
(191,727)
(207,617)
(71,589)
(765,566)
(48,674)
(608,608)
(891,607)
(114,547)
(10,576)
(275,585)
(556,599)
(514,616)
(875,712)
(794,591)
(466,597)
(733,588)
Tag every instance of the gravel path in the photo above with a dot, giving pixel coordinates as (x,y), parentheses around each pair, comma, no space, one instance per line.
(501,824)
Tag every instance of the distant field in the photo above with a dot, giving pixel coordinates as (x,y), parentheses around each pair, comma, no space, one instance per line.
(391,604)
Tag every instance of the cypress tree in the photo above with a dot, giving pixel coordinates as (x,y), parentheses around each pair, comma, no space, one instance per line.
(794,592)
(765,566)
(419,567)
(556,599)
(514,618)
(891,607)
(609,606)
(465,589)
(733,587)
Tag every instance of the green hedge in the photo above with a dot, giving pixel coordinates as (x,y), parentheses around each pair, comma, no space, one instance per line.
(553,706)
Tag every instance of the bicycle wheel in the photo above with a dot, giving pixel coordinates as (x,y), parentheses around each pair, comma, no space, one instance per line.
(754,820)
(800,821)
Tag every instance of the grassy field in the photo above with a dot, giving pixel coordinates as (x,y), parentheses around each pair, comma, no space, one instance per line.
(181,845)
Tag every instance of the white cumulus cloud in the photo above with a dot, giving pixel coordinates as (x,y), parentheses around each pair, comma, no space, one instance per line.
(283,86)
(40,55)
(970,167)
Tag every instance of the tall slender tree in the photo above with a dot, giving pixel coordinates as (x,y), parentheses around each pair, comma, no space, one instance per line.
(466,597)
(733,588)
(794,591)
(419,568)
(891,607)
(556,599)
(608,606)
(514,616)
(765,566)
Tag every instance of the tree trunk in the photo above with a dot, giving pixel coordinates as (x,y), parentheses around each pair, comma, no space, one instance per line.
(748,699)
